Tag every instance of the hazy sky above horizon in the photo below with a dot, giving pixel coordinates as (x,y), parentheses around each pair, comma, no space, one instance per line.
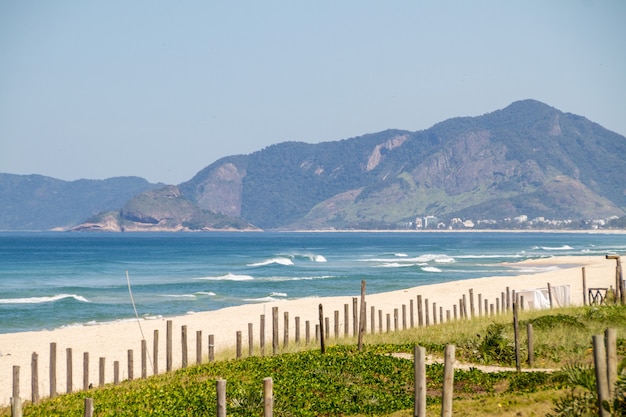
(161,89)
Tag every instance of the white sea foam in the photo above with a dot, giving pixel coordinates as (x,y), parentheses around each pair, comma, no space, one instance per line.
(430,269)
(211,293)
(261,299)
(401,255)
(40,300)
(178,295)
(228,277)
(564,247)
(278,260)
(278,294)
(395,265)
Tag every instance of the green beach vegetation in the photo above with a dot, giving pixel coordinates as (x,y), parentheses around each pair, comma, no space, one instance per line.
(379,379)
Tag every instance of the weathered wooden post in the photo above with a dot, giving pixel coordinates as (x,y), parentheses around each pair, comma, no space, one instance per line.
(411,314)
(327,327)
(53,370)
(610,339)
(419,364)
(395,319)
(518,365)
(238,343)
(434,313)
(464,309)
(550,294)
(619,285)
(155,353)
(420,313)
(88,407)
(508,299)
(184,346)
(355,316)
(426,314)
(101,371)
(307,332)
(372,319)
(388,322)
(116,372)
(131,365)
(262,334)
(531,346)
(321,336)
(85,371)
(34,381)
(346,320)
(380,321)
(584,286)
(480,304)
(471,300)
(602,386)
(274,330)
(211,348)
(168,346)
(403,316)
(268,397)
(198,347)
(16,382)
(298,330)
(220,388)
(250,340)
(448,381)
(286,330)
(16,407)
(68,370)
(362,317)
(144,359)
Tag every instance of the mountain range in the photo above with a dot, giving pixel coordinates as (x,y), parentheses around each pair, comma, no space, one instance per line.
(528,160)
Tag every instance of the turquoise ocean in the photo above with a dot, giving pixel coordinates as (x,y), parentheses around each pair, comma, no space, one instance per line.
(51,280)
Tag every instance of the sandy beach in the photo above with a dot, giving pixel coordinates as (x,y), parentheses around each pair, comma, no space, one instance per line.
(112,341)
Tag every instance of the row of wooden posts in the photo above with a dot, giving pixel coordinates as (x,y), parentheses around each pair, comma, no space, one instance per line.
(605,362)
(465,309)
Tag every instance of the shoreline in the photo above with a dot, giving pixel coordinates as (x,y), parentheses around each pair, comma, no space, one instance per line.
(113,340)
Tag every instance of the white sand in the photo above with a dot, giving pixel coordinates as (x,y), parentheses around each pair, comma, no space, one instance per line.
(112,341)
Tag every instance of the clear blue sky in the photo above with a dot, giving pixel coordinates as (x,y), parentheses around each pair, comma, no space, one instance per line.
(161,89)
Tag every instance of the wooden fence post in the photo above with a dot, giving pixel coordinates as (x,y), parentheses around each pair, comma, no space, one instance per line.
(584,286)
(362,316)
(274,330)
(131,365)
(168,346)
(286,330)
(602,386)
(183,346)
(198,347)
(297,339)
(355,316)
(471,300)
(610,339)
(419,369)
(395,319)
(322,345)
(116,372)
(336,324)
(550,294)
(268,397)
(380,321)
(101,372)
(211,348)
(346,320)
(372,320)
(238,337)
(155,353)
(448,381)
(411,314)
(480,304)
(434,313)
(34,381)
(307,332)
(518,365)
(144,359)
(85,371)
(88,407)
(531,345)
(16,381)
(53,370)
(262,334)
(68,370)
(16,407)
(250,340)
(220,388)
(420,313)
(426,314)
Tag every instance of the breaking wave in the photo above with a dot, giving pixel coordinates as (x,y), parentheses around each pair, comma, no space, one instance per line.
(40,300)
